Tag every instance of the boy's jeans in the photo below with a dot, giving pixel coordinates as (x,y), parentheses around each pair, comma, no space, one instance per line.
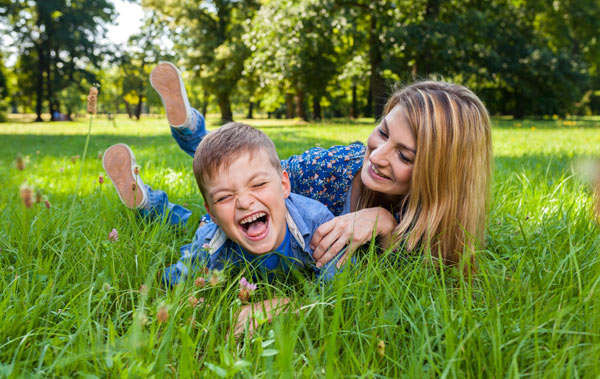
(158,201)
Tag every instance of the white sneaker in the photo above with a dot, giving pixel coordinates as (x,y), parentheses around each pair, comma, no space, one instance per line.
(166,79)
(119,163)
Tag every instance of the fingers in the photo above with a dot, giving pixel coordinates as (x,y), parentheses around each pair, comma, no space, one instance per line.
(322,252)
(333,250)
(347,255)
(321,232)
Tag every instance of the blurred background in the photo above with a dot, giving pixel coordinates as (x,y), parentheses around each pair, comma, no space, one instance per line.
(303,59)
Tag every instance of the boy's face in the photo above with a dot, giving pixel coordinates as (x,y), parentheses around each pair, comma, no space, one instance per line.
(247,200)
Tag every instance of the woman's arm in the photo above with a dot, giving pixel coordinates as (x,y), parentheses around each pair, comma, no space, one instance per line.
(352,229)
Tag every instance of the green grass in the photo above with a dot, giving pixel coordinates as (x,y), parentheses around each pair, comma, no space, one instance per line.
(71,303)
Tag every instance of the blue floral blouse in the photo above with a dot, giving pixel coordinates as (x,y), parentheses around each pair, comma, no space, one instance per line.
(326,174)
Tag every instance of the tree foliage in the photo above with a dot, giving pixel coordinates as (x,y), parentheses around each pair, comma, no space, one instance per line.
(57,42)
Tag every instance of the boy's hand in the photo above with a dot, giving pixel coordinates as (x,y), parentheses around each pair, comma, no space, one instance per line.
(265,309)
(352,229)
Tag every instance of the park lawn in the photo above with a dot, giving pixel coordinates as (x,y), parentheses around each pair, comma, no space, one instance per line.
(71,300)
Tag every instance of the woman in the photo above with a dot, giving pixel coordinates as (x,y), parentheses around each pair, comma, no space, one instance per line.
(422,180)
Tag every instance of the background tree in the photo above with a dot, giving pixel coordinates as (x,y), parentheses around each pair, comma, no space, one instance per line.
(211,33)
(144,50)
(59,42)
(294,41)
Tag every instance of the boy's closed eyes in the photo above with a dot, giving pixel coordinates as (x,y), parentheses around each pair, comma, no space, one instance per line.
(247,200)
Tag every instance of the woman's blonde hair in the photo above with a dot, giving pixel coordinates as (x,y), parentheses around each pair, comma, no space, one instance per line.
(445,209)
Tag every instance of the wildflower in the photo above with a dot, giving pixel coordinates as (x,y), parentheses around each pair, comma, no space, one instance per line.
(191,320)
(381,348)
(215,277)
(193,301)
(141,318)
(533,128)
(163,314)
(200,282)
(106,287)
(133,186)
(62,169)
(20,163)
(47,204)
(113,235)
(92,100)
(246,290)
(27,195)
(205,246)
(101,179)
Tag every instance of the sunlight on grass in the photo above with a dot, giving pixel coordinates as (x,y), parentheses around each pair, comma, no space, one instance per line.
(532,310)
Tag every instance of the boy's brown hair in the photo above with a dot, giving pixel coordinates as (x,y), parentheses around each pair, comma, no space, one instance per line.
(224,145)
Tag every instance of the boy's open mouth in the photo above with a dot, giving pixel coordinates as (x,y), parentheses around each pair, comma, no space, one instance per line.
(255,226)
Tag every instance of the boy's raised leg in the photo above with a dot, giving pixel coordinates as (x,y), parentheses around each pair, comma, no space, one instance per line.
(120,165)
(187,124)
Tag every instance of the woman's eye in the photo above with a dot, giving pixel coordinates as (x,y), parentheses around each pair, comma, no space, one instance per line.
(404,158)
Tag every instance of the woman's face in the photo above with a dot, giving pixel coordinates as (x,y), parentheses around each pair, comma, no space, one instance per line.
(391,151)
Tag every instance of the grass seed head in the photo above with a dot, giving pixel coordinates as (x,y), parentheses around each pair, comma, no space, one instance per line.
(27,195)
(20,162)
(163,314)
(381,348)
(101,179)
(47,204)
(92,100)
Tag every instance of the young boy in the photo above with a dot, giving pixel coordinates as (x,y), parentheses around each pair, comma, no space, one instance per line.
(256,221)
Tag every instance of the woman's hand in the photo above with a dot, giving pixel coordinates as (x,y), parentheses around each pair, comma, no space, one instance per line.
(352,229)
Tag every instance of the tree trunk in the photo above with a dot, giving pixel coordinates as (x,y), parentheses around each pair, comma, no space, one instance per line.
(250,109)
(316,107)
(138,107)
(353,105)
(289,107)
(369,108)
(300,105)
(205,103)
(39,90)
(377,83)
(128,109)
(225,107)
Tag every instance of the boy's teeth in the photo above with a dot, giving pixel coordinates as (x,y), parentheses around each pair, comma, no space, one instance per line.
(252,218)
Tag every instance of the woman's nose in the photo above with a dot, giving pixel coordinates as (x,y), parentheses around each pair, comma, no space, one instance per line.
(380,155)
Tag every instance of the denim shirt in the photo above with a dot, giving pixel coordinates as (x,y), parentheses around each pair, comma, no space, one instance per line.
(211,248)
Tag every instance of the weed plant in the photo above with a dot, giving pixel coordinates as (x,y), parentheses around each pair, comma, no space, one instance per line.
(98,308)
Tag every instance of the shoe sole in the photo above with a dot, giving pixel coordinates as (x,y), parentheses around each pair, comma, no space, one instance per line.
(118,162)
(166,80)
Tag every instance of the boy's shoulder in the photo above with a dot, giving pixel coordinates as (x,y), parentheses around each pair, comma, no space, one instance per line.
(307,214)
